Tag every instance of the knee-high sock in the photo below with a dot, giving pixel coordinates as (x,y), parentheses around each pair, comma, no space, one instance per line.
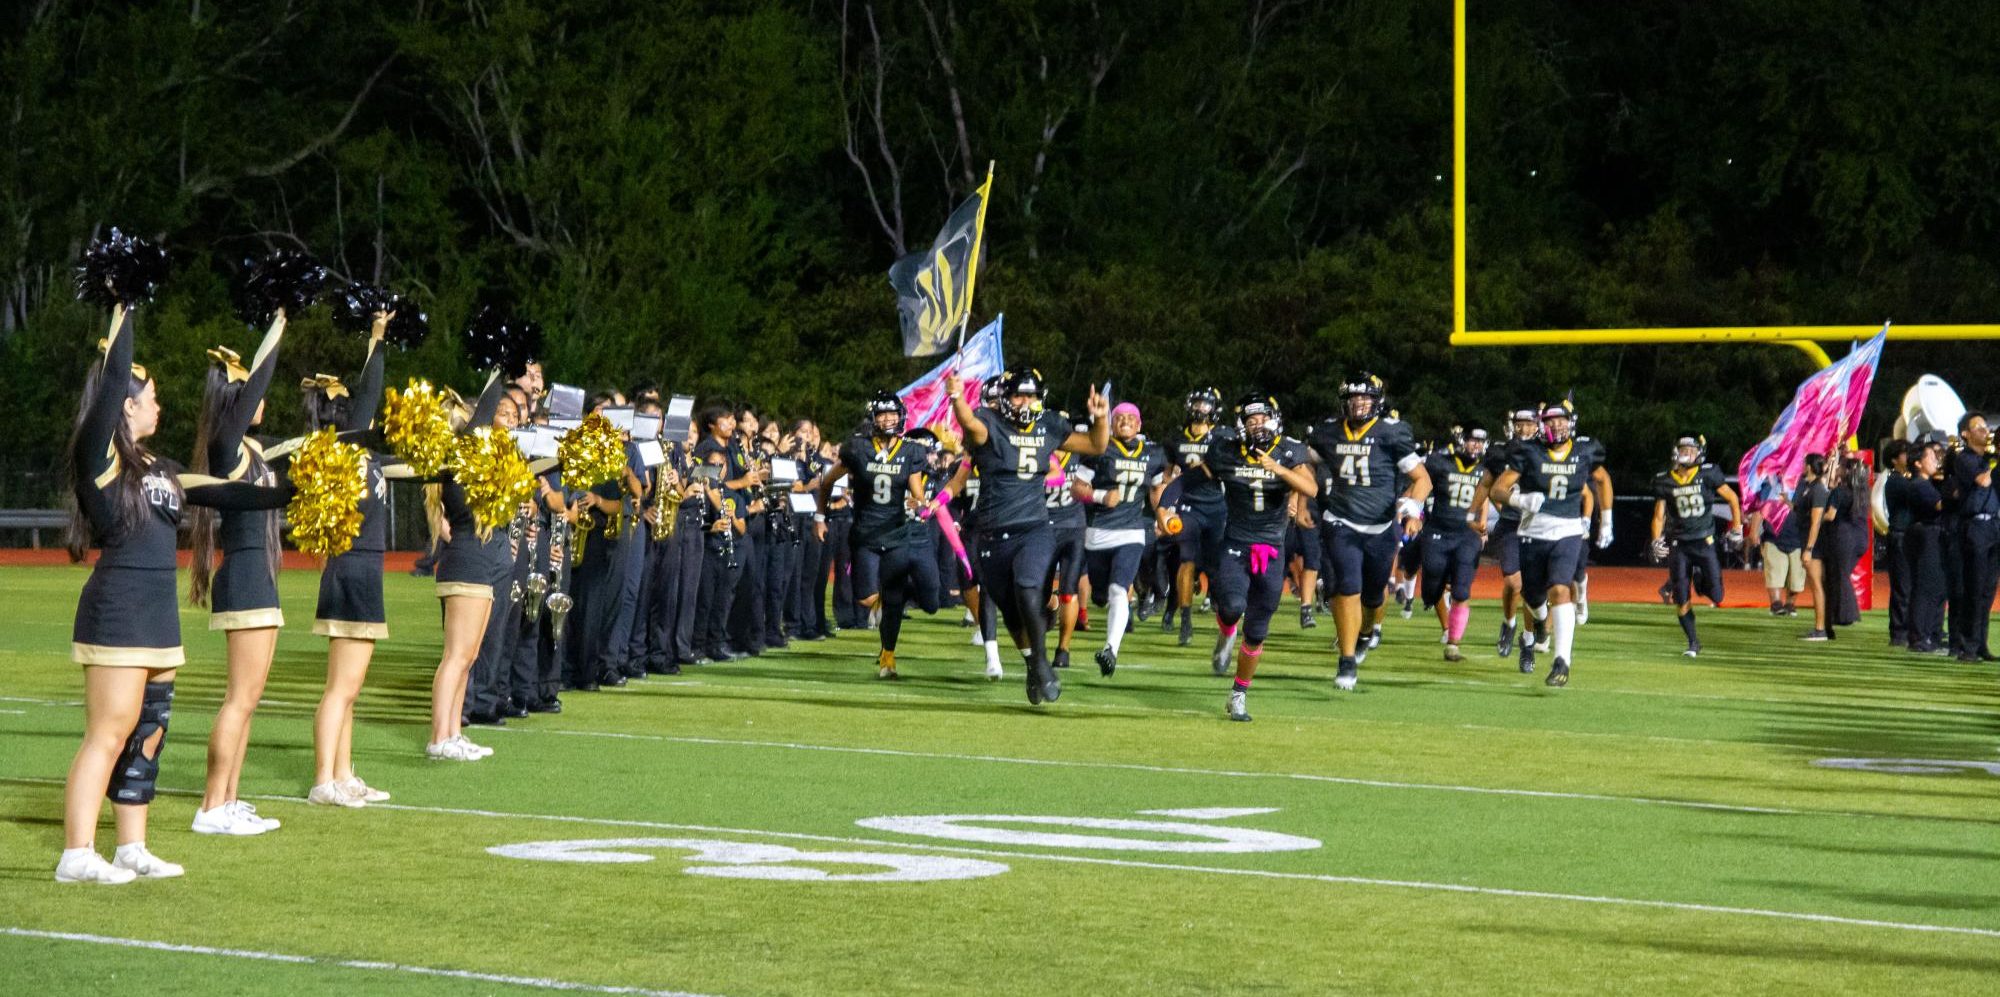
(1117,612)
(1461,614)
(1033,622)
(892,616)
(1687,624)
(1563,620)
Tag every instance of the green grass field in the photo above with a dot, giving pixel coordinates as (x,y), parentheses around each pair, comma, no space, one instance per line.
(1660,825)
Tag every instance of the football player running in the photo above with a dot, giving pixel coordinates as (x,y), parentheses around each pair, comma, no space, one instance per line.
(1010,449)
(1684,498)
(1259,469)
(1545,482)
(890,568)
(1122,482)
(1202,512)
(1366,456)
(1524,424)
(1454,532)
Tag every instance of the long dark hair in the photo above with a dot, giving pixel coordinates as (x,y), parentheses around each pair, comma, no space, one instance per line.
(128,497)
(323,410)
(219,394)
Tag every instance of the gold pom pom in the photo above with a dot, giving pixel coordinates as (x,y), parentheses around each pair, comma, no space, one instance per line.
(494,474)
(591,454)
(417,428)
(331,479)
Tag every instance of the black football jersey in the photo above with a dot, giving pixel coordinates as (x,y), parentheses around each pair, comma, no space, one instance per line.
(1690,496)
(1129,473)
(1454,482)
(1013,467)
(1559,473)
(1065,512)
(1496,462)
(878,481)
(1255,497)
(1364,468)
(1198,491)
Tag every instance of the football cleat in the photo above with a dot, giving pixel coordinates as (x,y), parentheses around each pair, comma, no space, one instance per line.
(1225,648)
(1239,706)
(885,665)
(1506,645)
(1374,638)
(1187,628)
(1306,620)
(1409,602)
(1034,685)
(1167,622)
(1693,650)
(1527,659)
(1107,661)
(1062,657)
(1451,653)
(1349,674)
(1558,673)
(1051,686)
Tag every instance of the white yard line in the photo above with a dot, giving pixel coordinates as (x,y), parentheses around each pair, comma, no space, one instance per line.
(364,964)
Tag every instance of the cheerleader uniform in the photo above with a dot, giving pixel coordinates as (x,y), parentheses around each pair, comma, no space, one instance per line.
(244,593)
(127,615)
(350,587)
(471,565)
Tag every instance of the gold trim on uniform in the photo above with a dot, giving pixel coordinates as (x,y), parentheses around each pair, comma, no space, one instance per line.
(247,619)
(351,629)
(473,589)
(127,657)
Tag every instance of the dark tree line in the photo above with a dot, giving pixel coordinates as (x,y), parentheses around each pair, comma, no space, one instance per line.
(1217,191)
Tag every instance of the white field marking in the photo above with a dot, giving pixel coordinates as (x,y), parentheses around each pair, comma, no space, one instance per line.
(1214,870)
(739,860)
(306,960)
(1909,766)
(1211,813)
(15,713)
(1207,837)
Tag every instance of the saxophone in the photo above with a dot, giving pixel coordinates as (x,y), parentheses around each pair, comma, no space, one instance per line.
(666,509)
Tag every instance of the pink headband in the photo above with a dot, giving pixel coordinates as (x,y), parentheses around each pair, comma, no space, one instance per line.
(1127,408)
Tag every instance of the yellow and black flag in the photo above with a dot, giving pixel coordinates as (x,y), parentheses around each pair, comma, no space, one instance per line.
(934,287)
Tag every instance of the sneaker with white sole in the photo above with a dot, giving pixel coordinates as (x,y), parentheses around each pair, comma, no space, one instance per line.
(1348,674)
(226,819)
(89,867)
(270,823)
(332,794)
(367,793)
(480,750)
(135,859)
(1239,706)
(451,750)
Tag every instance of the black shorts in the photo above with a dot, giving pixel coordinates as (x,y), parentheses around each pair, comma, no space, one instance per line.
(468,562)
(1505,544)
(1016,558)
(128,616)
(1303,541)
(1545,563)
(1201,535)
(1113,566)
(1358,562)
(1689,558)
(1451,558)
(350,597)
(243,595)
(1067,569)
(1240,595)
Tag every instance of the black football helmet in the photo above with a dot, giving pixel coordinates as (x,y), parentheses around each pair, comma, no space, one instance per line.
(1562,410)
(1264,435)
(1469,441)
(1360,396)
(1204,405)
(1690,450)
(1015,383)
(886,403)
(989,395)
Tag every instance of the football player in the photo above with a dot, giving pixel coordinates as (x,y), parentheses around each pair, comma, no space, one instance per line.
(1011,448)
(1202,512)
(1066,515)
(1545,482)
(1366,457)
(891,567)
(1524,424)
(1115,489)
(1454,531)
(1684,498)
(1259,469)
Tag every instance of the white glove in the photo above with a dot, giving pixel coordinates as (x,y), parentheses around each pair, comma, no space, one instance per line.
(1734,538)
(1526,503)
(1409,508)
(1659,549)
(1604,529)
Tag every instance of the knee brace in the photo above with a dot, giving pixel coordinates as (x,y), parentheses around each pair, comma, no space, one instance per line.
(132,780)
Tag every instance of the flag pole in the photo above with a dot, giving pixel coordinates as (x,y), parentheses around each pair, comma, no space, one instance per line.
(978,243)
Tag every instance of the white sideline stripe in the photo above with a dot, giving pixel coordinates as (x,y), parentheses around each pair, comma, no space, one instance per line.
(1219,773)
(306,960)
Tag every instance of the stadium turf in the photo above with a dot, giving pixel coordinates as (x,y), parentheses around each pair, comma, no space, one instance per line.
(1660,825)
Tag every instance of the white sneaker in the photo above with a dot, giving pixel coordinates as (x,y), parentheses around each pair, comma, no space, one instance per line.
(1239,705)
(332,794)
(134,858)
(368,794)
(993,672)
(90,867)
(478,750)
(450,750)
(270,823)
(226,819)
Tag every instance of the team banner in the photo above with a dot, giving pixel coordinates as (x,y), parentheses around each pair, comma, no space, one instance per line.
(934,288)
(981,360)
(1825,409)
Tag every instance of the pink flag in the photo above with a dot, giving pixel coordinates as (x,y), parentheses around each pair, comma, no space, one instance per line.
(1825,409)
(978,362)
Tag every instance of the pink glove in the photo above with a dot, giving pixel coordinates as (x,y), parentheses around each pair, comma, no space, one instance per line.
(1261,556)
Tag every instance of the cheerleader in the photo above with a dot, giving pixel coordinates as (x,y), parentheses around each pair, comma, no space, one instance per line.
(474,562)
(349,613)
(127,629)
(242,594)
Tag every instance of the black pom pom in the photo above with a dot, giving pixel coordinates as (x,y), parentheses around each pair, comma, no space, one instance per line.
(120,270)
(288,279)
(355,305)
(410,325)
(494,339)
